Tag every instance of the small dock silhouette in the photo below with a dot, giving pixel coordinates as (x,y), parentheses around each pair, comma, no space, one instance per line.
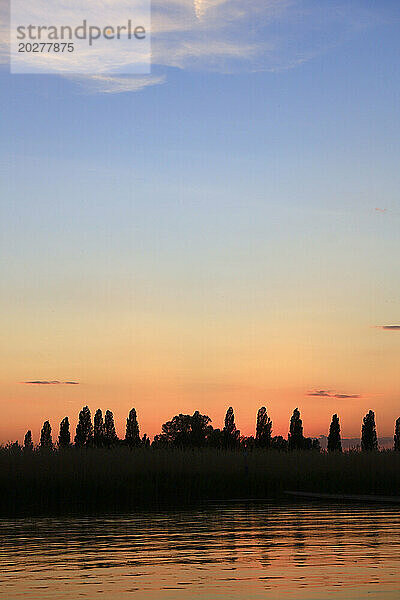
(345,497)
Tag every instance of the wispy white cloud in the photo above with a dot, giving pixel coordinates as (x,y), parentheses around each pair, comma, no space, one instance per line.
(226,36)
(107,84)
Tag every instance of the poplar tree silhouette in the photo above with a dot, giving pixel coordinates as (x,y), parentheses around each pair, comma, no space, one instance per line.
(397,435)
(132,434)
(64,438)
(109,429)
(28,443)
(334,440)
(46,442)
(296,437)
(98,429)
(231,435)
(369,439)
(84,428)
(263,429)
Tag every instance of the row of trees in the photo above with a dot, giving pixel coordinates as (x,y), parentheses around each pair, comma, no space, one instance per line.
(101,433)
(196,431)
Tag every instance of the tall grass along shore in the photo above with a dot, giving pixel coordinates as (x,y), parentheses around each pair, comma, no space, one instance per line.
(91,479)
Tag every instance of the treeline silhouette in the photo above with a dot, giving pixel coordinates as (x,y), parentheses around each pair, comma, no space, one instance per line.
(195,431)
(187,463)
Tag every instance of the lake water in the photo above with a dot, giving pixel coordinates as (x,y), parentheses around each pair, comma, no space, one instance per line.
(233,551)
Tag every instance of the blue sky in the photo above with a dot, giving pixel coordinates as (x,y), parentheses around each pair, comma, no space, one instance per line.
(338,111)
(209,196)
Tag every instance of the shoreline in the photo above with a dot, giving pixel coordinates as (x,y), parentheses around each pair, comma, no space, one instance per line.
(121,479)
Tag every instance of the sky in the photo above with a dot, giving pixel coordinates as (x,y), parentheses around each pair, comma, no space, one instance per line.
(223,231)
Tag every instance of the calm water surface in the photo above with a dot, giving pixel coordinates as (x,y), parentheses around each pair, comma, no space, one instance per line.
(237,551)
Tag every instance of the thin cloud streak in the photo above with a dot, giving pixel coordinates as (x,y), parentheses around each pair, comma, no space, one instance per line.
(389,327)
(50,382)
(331,394)
(117,85)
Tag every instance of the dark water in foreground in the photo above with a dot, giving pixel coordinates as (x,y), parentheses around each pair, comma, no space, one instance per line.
(237,551)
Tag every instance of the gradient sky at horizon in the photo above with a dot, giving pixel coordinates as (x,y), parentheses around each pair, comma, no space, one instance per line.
(217,239)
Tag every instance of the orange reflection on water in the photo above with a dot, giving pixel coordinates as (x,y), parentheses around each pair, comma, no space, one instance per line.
(233,551)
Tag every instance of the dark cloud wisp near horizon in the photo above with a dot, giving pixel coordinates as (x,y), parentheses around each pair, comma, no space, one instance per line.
(389,327)
(331,394)
(51,382)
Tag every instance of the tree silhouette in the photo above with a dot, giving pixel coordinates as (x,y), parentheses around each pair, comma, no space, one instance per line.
(369,439)
(84,429)
(110,435)
(176,432)
(132,434)
(46,442)
(28,443)
(98,429)
(185,431)
(230,433)
(263,429)
(215,438)
(64,438)
(397,435)
(296,437)
(199,429)
(334,441)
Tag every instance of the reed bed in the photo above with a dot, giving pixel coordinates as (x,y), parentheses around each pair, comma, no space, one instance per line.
(120,479)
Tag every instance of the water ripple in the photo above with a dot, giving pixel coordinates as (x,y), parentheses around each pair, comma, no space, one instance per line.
(235,552)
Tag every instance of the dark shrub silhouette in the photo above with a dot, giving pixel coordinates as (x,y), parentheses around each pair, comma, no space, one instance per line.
(64,438)
(84,428)
(311,444)
(28,443)
(145,442)
(334,440)
(160,441)
(369,440)
(230,433)
(110,435)
(13,448)
(46,442)
(296,437)
(98,429)
(132,434)
(316,445)
(279,443)
(397,435)
(248,442)
(263,429)
(185,431)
